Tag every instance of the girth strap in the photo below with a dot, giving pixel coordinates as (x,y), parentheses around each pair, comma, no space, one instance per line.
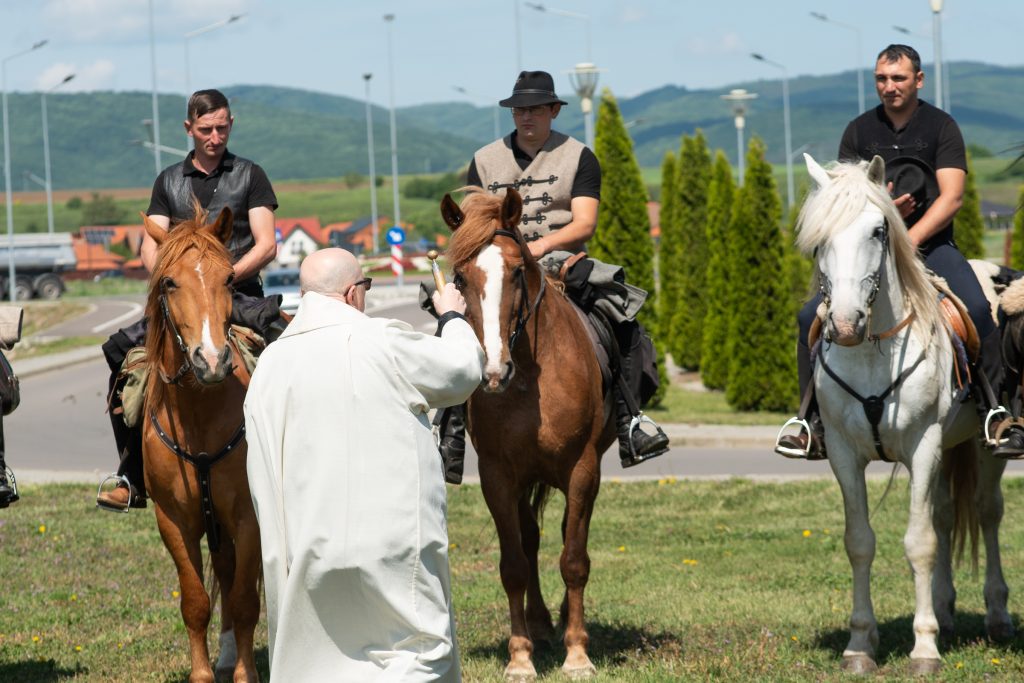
(873,406)
(203,462)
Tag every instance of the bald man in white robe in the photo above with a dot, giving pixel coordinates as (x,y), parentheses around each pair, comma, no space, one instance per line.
(348,486)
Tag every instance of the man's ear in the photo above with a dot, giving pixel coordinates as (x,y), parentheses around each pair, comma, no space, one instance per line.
(555,108)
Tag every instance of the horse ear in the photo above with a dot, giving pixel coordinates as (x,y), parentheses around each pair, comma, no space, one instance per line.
(451,213)
(819,174)
(876,170)
(153,230)
(511,208)
(221,228)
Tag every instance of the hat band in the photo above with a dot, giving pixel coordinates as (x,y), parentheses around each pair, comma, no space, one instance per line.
(534,91)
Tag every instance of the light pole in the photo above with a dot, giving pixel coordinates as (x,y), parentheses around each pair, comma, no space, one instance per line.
(519,37)
(389,20)
(790,194)
(739,98)
(373,164)
(7,164)
(584,82)
(937,40)
(496,108)
(188,36)
(945,81)
(563,13)
(46,154)
(860,71)
(156,108)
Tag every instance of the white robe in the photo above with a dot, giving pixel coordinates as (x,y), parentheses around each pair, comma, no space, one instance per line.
(349,491)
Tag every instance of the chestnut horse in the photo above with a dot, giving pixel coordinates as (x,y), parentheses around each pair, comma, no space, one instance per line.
(539,420)
(193,439)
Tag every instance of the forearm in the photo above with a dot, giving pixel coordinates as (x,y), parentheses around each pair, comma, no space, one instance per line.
(567,238)
(254,260)
(936,219)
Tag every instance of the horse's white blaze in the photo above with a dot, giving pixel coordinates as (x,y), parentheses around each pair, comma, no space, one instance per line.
(209,350)
(493,265)
(850,260)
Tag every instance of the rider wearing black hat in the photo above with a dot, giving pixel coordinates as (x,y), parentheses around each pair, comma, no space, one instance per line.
(560,180)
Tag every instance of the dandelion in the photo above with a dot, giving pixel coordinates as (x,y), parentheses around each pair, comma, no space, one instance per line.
(807,533)
(622,548)
(996,661)
(74,597)
(794,639)
(78,648)
(453,546)
(35,639)
(959,665)
(120,646)
(689,562)
(42,528)
(175,594)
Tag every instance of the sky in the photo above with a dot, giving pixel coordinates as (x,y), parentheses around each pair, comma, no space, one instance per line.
(437,46)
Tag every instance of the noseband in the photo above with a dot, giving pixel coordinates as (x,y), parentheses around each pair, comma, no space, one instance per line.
(523,314)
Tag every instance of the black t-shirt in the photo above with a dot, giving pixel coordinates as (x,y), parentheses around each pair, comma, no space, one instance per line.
(587,182)
(260,192)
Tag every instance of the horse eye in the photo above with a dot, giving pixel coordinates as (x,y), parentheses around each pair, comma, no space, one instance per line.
(168,283)
(458,280)
(230,280)
(879,233)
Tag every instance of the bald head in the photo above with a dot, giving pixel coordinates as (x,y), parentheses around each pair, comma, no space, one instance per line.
(329,271)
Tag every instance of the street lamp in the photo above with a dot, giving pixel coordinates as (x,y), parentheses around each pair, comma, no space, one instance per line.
(46,154)
(937,40)
(564,13)
(188,36)
(860,71)
(739,98)
(7,163)
(945,81)
(584,82)
(519,37)
(496,108)
(156,108)
(790,195)
(373,164)
(389,20)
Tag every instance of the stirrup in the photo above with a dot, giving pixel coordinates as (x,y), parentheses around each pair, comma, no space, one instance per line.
(790,453)
(991,439)
(634,426)
(120,479)
(12,483)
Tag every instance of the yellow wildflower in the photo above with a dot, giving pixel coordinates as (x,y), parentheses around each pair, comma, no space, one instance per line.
(175,594)
(807,533)
(42,528)
(622,548)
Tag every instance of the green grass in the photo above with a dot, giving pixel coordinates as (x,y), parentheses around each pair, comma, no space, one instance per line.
(690,581)
(686,405)
(109,286)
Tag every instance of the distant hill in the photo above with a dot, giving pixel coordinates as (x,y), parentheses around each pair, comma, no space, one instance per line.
(297,134)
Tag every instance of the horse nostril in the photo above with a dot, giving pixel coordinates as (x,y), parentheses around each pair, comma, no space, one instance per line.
(510,372)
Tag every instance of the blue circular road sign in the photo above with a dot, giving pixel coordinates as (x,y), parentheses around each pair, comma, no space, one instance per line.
(395,235)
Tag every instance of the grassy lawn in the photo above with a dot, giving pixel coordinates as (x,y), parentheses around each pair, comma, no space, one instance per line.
(731,581)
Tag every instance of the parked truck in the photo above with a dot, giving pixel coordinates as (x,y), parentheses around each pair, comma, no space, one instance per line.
(39,260)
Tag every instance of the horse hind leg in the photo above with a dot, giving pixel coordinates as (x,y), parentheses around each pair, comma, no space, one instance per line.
(989,499)
(195,602)
(538,618)
(241,601)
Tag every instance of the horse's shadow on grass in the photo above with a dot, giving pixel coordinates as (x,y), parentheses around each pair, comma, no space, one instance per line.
(262,666)
(896,637)
(37,672)
(610,645)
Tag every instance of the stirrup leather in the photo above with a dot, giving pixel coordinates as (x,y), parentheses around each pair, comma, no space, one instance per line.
(788,452)
(634,426)
(120,479)
(993,440)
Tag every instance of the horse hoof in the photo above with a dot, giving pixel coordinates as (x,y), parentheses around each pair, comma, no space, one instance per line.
(859,665)
(925,667)
(1001,633)
(581,673)
(520,675)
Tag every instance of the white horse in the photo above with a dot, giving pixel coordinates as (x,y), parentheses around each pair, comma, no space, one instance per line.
(890,399)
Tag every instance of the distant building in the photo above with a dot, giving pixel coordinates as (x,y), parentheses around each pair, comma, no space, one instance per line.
(296,239)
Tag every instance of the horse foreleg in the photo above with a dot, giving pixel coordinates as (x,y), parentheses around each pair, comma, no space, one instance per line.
(244,598)
(989,500)
(921,546)
(224,569)
(575,563)
(183,545)
(859,538)
(538,618)
(943,589)
(514,569)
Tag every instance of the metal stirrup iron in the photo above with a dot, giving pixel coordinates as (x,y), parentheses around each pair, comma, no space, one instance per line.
(120,479)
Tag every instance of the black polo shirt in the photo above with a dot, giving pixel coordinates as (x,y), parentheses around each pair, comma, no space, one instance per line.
(587,182)
(260,191)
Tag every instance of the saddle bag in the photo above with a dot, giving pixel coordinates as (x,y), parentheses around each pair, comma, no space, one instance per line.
(132,382)
(10,389)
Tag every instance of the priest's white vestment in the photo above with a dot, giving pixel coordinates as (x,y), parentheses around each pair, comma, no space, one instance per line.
(350,494)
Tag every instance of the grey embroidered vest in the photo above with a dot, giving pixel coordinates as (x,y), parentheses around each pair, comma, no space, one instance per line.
(232,192)
(545,185)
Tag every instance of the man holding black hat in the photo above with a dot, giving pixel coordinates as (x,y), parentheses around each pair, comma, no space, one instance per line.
(560,180)
(926,168)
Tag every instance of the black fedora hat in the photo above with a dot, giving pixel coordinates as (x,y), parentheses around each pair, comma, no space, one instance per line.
(532,89)
(910,175)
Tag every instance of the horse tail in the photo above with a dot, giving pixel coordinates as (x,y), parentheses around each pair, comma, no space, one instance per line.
(960,465)
(538,495)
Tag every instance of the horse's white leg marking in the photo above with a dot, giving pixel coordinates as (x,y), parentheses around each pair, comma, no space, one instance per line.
(921,542)
(493,265)
(989,499)
(860,545)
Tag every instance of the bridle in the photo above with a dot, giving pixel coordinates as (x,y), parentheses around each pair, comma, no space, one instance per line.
(523,314)
(186,364)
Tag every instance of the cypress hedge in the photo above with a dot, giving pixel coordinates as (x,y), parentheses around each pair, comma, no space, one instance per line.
(969,223)
(714,360)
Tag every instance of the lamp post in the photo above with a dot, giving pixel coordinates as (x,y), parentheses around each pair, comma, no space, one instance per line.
(46,154)
(7,164)
(188,36)
(519,37)
(945,81)
(373,164)
(860,71)
(739,98)
(584,82)
(389,19)
(156,108)
(564,13)
(496,108)
(790,195)
(937,40)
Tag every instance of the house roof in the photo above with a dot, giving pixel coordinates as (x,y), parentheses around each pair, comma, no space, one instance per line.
(310,225)
(94,256)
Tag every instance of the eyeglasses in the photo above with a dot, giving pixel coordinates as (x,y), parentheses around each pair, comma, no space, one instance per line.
(365,281)
(532,111)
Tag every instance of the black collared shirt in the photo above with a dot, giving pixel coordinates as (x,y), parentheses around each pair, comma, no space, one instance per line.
(260,192)
(587,182)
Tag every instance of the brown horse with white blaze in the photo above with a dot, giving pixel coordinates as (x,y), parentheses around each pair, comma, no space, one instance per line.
(539,420)
(193,439)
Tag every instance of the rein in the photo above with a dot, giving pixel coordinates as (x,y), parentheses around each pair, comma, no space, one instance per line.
(523,314)
(203,462)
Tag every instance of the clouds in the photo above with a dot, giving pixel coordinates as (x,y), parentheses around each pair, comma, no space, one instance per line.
(91,21)
(100,75)
(728,43)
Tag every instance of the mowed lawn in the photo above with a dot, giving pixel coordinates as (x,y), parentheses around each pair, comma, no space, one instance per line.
(691,581)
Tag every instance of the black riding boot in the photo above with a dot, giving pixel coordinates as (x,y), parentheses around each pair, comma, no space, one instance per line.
(128,441)
(452,430)
(635,445)
(8,491)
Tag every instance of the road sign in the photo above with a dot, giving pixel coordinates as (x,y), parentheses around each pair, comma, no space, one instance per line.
(395,235)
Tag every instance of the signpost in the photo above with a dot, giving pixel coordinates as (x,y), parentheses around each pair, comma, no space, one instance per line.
(395,236)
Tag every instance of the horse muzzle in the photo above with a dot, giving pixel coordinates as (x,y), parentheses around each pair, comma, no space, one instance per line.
(497,382)
(212,369)
(847,330)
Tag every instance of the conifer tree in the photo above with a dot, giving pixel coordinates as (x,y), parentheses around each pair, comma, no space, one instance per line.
(689,264)
(969,223)
(762,368)
(666,243)
(623,235)
(714,361)
(1017,243)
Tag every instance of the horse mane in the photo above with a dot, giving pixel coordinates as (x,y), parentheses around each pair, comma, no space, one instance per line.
(180,238)
(832,208)
(482,219)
